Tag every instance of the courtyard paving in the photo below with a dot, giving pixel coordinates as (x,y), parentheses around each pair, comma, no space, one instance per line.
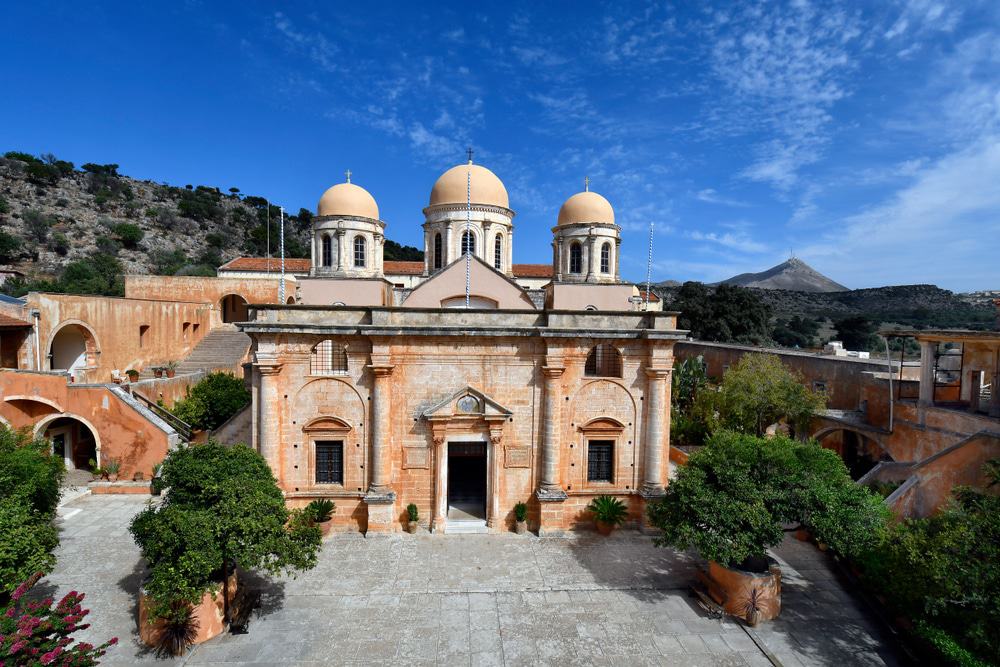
(475,600)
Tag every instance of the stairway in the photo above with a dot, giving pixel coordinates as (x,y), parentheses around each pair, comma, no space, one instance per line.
(223,348)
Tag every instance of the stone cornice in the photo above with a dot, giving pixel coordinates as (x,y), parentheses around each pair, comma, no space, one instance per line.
(346,218)
(487,208)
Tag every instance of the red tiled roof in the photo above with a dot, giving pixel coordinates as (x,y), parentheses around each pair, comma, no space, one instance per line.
(402,268)
(532,270)
(292,265)
(8,322)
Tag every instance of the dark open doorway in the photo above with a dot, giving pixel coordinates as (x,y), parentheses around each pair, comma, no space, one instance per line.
(467,481)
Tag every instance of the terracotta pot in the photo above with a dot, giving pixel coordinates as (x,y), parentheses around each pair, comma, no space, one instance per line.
(113,478)
(520,527)
(411,527)
(605,528)
(803,535)
(325,527)
(133,377)
(208,614)
(158,373)
(734,590)
(171,372)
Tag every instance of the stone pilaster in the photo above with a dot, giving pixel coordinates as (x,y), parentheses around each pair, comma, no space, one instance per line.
(559,259)
(269,436)
(550,493)
(590,256)
(657,431)
(380,499)
(618,247)
(340,250)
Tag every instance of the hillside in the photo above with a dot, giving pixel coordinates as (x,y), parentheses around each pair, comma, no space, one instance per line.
(793,274)
(52,214)
(919,306)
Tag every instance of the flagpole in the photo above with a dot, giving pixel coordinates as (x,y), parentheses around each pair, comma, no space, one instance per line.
(281,287)
(649,265)
(467,241)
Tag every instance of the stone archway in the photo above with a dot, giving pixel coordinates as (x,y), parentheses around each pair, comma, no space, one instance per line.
(234,308)
(860,451)
(73,438)
(72,347)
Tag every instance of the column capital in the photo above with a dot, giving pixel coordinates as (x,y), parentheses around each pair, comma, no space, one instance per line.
(268,368)
(381,370)
(553,371)
(658,373)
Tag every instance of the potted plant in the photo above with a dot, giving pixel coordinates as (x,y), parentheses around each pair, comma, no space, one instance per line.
(95,469)
(320,512)
(171,369)
(732,499)
(133,375)
(412,517)
(520,518)
(158,371)
(111,469)
(609,513)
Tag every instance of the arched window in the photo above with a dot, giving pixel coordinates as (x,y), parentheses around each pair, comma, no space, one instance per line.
(328,358)
(497,252)
(604,361)
(468,243)
(575,258)
(327,250)
(437,251)
(359,251)
(606,258)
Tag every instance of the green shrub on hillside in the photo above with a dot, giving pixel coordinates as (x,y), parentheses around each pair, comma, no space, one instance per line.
(10,247)
(725,313)
(128,234)
(37,224)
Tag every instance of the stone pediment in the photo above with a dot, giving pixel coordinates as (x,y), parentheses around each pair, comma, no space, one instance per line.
(467,403)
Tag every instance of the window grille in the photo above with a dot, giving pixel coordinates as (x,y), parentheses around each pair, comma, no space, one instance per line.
(327,250)
(328,358)
(575,258)
(599,458)
(330,462)
(606,258)
(604,361)
(437,251)
(468,243)
(497,252)
(359,251)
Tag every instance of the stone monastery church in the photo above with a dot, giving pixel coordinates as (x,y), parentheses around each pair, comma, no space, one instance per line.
(464,384)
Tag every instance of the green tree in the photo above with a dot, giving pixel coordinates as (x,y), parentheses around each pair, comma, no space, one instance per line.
(796,332)
(10,247)
(403,253)
(759,391)
(30,479)
(223,506)
(128,234)
(732,498)
(212,401)
(725,313)
(857,332)
(37,224)
(98,274)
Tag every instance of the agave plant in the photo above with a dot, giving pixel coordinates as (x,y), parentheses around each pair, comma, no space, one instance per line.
(752,606)
(608,510)
(180,629)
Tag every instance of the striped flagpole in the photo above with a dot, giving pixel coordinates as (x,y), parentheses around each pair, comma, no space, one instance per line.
(467,239)
(649,266)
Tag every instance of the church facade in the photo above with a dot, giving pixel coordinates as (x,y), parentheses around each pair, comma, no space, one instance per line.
(469,388)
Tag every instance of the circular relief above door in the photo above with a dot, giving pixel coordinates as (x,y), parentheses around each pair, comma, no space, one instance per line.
(468,404)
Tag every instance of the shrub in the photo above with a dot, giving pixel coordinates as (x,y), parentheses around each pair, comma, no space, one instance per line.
(59,244)
(37,224)
(128,234)
(732,498)
(725,313)
(100,273)
(412,513)
(520,512)
(10,247)
(36,633)
(4,206)
(212,401)
(223,506)
(608,509)
(30,480)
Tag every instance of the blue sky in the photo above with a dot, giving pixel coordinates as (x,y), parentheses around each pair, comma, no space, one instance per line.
(865,137)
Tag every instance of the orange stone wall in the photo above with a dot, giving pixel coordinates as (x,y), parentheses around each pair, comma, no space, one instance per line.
(205,290)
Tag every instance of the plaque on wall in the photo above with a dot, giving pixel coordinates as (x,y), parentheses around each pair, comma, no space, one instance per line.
(416,457)
(517,457)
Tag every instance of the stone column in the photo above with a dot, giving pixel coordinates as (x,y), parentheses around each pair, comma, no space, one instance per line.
(428,250)
(618,275)
(380,498)
(927,349)
(590,257)
(559,260)
(317,247)
(657,431)
(340,250)
(269,435)
(510,251)
(449,239)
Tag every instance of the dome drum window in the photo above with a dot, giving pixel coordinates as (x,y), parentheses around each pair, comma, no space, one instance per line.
(576,258)
(497,253)
(359,252)
(468,243)
(606,258)
(328,358)
(438,259)
(604,360)
(327,251)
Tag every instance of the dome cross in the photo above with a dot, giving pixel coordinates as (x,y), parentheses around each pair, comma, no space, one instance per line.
(586,183)
(348,175)
(469,152)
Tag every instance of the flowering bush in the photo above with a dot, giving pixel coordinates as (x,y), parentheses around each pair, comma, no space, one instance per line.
(36,633)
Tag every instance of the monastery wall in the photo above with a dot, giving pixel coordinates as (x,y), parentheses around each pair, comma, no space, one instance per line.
(206,290)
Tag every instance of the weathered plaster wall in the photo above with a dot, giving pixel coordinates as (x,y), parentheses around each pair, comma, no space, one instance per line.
(959,465)
(205,290)
(350,292)
(563,296)
(33,399)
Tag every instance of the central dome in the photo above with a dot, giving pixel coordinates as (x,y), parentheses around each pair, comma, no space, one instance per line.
(347,199)
(486,187)
(586,207)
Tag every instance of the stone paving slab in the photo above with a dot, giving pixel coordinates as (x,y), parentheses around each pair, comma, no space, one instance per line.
(473,600)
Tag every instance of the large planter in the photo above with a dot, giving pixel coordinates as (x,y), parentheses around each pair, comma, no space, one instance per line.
(325,527)
(520,527)
(605,528)
(411,527)
(208,614)
(752,596)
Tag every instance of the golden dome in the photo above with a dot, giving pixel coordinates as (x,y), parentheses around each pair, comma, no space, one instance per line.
(586,207)
(347,199)
(486,187)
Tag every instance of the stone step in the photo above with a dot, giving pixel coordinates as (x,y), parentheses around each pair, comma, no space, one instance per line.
(453,527)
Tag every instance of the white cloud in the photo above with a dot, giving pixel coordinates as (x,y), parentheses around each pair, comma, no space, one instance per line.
(710,196)
(739,241)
